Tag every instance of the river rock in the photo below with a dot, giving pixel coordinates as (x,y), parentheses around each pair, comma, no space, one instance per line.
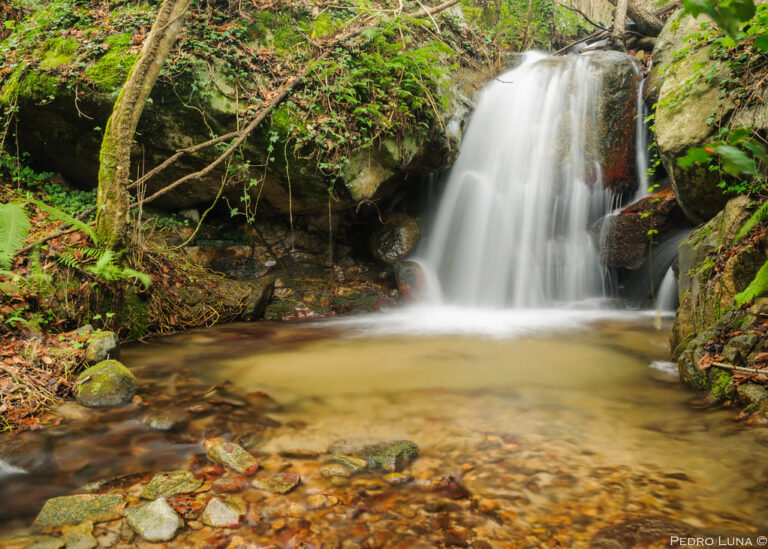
(396,479)
(108,384)
(101,346)
(79,536)
(335,470)
(739,347)
(224,512)
(72,510)
(388,455)
(166,421)
(396,238)
(280,483)
(171,483)
(352,463)
(231,455)
(156,521)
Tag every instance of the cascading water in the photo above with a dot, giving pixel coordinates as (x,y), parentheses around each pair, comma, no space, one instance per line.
(512,230)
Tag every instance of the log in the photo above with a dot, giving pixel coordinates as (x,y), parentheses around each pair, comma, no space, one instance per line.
(647,23)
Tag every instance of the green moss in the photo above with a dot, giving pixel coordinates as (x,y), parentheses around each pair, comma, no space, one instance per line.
(134,316)
(276,31)
(722,385)
(324,25)
(38,86)
(57,52)
(287,121)
(109,72)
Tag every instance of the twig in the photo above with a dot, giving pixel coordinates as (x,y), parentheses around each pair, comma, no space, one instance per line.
(739,368)
(584,15)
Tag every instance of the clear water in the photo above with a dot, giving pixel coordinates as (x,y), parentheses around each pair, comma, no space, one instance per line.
(563,433)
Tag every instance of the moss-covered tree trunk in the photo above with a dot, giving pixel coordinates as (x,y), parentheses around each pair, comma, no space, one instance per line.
(115,155)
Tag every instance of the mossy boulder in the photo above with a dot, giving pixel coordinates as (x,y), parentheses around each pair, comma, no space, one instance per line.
(108,384)
(72,510)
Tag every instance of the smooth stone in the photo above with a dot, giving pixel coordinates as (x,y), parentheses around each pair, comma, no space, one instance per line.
(281,483)
(354,464)
(101,346)
(224,513)
(231,455)
(80,536)
(108,384)
(72,510)
(317,501)
(171,483)
(334,470)
(395,479)
(171,421)
(156,521)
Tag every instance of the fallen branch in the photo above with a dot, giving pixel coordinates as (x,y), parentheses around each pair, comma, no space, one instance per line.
(647,23)
(739,368)
(584,15)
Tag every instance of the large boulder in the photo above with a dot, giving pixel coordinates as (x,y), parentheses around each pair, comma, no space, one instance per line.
(692,105)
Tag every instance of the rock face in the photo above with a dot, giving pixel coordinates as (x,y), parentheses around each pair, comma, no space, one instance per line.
(72,510)
(709,327)
(156,521)
(691,108)
(108,384)
(623,237)
(396,238)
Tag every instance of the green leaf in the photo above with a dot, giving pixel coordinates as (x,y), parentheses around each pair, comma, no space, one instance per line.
(761,43)
(760,215)
(736,161)
(14,228)
(694,155)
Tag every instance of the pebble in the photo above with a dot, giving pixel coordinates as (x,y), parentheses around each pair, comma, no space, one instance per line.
(156,521)
(334,470)
(231,455)
(224,513)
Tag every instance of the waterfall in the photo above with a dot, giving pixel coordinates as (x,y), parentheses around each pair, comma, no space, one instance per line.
(666,296)
(512,229)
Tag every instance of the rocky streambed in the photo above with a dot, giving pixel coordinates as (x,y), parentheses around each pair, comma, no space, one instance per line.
(569,440)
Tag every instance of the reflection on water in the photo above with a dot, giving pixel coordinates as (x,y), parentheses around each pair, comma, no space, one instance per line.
(568,432)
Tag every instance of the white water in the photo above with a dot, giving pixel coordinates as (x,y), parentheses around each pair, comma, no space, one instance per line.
(512,230)
(7,470)
(666,297)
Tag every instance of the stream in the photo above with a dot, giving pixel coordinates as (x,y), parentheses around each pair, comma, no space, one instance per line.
(562,435)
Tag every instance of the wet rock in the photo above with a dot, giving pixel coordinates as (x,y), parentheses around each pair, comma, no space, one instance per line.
(335,470)
(623,237)
(395,479)
(166,421)
(739,347)
(354,464)
(280,483)
(156,521)
(411,280)
(101,346)
(224,512)
(387,455)
(754,396)
(108,384)
(396,238)
(171,483)
(231,455)
(319,501)
(80,536)
(72,510)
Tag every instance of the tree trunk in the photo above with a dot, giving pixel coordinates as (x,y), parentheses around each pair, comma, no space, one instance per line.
(647,23)
(115,155)
(617,39)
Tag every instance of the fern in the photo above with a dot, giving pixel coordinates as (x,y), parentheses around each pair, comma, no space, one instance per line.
(756,288)
(144,278)
(37,277)
(14,228)
(66,218)
(761,214)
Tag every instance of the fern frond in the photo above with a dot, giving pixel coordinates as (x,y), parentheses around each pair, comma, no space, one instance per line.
(144,278)
(14,228)
(756,288)
(761,214)
(37,278)
(66,218)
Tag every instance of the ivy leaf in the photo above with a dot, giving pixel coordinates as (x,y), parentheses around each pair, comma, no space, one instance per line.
(694,155)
